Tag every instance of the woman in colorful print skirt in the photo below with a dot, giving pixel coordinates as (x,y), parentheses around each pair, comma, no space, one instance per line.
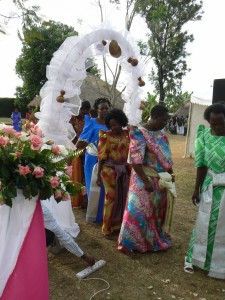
(143,220)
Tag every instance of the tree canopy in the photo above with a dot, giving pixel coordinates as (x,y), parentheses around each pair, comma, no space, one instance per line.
(167,41)
(38,45)
(28,15)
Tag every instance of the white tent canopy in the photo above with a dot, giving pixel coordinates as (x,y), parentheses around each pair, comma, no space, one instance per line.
(196,112)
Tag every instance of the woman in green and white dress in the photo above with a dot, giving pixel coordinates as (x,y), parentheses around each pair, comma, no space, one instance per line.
(207,245)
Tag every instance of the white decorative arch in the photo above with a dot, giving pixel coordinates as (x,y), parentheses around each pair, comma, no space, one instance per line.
(67,71)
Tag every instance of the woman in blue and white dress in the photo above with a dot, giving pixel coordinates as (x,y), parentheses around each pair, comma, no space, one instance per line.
(89,138)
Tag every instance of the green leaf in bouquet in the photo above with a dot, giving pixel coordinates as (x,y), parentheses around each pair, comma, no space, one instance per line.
(73,188)
(8,201)
(46,152)
(64,177)
(41,184)
(46,192)
(33,189)
(9,191)
(28,152)
(13,190)
(68,159)
(27,191)
(4,172)
(21,181)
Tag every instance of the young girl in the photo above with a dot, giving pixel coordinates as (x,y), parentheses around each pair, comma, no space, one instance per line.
(113,169)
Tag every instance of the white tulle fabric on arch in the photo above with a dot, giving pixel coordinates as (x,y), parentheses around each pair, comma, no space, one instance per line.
(67,71)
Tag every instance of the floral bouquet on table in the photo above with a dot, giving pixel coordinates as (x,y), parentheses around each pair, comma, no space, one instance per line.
(34,166)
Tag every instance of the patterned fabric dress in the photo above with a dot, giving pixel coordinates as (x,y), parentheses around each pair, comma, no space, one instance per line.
(90,134)
(114,151)
(207,245)
(78,162)
(144,214)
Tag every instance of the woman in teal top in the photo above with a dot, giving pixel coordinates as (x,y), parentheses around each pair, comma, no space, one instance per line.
(207,245)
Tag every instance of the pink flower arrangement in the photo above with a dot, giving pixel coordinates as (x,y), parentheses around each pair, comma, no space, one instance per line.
(66,197)
(69,170)
(56,149)
(34,166)
(24,170)
(38,172)
(58,194)
(36,142)
(3,141)
(9,130)
(54,181)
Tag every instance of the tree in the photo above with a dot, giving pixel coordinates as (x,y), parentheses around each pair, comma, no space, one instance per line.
(39,44)
(93,69)
(167,42)
(148,104)
(173,103)
(28,15)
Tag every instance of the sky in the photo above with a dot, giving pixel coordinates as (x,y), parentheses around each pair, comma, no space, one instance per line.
(207,52)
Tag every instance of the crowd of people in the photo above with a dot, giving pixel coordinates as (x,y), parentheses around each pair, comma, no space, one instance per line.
(130,183)
(111,177)
(133,192)
(178,125)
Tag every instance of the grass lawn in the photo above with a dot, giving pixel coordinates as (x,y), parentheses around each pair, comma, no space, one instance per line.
(149,276)
(7,121)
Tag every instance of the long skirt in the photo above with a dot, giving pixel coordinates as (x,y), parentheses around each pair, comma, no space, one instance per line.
(144,215)
(79,200)
(90,162)
(207,245)
(113,205)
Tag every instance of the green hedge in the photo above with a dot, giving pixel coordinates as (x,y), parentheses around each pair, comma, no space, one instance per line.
(7,107)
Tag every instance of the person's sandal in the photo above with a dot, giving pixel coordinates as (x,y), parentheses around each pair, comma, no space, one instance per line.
(188,267)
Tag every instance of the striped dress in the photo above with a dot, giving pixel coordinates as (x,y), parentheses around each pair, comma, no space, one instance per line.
(207,245)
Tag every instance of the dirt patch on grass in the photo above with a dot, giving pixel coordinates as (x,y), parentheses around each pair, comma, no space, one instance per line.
(157,276)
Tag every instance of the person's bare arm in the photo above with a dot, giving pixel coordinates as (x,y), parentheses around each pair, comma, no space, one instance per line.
(200,176)
(99,179)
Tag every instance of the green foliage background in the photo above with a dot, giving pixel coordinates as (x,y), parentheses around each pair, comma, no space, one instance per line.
(39,44)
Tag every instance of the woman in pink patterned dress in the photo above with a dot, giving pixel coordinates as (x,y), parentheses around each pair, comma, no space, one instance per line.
(142,226)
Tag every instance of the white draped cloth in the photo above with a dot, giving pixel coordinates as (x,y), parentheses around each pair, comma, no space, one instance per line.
(62,212)
(217,266)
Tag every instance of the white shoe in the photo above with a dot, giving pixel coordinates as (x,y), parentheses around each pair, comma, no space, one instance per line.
(188,267)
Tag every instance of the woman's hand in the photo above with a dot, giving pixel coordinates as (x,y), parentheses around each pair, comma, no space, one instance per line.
(81,145)
(99,181)
(196,198)
(173,177)
(201,174)
(148,186)
(88,259)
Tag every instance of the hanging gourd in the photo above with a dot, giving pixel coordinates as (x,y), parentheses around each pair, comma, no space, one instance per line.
(61,98)
(114,49)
